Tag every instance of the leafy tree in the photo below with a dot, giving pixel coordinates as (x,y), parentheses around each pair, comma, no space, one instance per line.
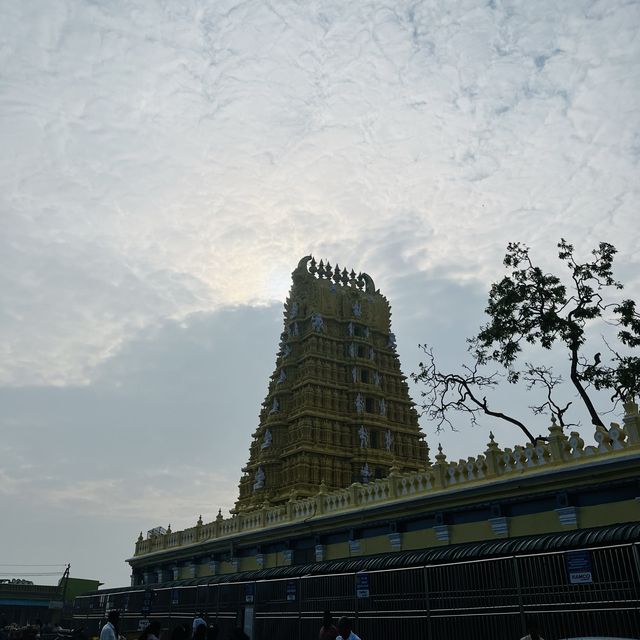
(530,306)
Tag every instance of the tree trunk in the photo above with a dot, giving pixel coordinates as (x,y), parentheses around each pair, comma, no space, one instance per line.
(577,383)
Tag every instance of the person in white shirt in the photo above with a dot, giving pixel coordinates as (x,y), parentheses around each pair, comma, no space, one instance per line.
(110,630)
(197,621)
(344,629)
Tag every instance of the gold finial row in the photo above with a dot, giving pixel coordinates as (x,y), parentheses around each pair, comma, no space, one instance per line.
(324,271)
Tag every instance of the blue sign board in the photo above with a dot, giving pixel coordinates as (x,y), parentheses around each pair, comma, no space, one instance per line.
(249,591)
(579,567)
(147,602)
(362,585)
(292,591)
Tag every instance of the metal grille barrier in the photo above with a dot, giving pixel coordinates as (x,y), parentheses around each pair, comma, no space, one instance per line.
(478,598)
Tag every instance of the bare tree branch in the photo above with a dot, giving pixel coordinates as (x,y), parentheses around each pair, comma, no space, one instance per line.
(445,392)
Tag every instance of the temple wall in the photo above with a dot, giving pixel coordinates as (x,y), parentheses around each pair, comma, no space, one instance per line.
(486,472)
(532,524)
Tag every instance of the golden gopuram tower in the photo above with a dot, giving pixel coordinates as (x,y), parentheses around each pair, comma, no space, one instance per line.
(338,409)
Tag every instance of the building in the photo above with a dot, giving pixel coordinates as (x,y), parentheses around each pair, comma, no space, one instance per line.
(23,603)
(339,505)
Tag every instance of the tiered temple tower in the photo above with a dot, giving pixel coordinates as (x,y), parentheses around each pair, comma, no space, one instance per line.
(338,409)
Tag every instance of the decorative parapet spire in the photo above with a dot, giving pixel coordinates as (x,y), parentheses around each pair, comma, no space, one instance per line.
(440,467)
(630,409)
(492,456)
(558,442)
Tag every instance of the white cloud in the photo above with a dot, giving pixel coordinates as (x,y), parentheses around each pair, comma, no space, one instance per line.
(175,497)
(169,157)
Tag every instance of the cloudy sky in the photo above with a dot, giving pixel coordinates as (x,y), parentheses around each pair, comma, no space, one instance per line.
(164,165)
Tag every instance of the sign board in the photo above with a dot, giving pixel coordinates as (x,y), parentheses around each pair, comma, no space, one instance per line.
(292,591)
(142,624)
(362,585)
(56,604)
(248,594)
(175,596)
(248,621)
(146,602)
(579,567)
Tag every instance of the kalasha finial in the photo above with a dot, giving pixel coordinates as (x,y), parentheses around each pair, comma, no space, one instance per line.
(321,269)
(440,456)
(345,277)
(492,443)
(200,520)
(312,267)
(328,270)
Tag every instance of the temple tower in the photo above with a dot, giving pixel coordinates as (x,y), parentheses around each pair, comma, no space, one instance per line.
(338,409)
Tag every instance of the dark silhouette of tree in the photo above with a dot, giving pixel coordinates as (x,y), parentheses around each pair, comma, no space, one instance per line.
(530,306)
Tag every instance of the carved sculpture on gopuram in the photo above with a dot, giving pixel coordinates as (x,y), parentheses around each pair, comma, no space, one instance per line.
(345,402)
(267,440)
(363,434)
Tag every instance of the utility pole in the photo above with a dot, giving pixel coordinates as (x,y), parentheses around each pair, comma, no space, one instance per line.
(64,582)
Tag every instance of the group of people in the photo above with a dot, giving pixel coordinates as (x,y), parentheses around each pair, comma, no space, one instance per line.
(199,630)
(342,631)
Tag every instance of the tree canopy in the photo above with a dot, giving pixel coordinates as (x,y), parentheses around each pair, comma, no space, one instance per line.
(529,306)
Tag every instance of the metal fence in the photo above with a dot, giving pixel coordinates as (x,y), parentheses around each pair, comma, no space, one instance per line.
(481,598)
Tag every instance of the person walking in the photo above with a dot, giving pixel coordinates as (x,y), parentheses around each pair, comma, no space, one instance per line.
(198,620)
(110,629)
(328,631)
(200,632)
(345,630)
